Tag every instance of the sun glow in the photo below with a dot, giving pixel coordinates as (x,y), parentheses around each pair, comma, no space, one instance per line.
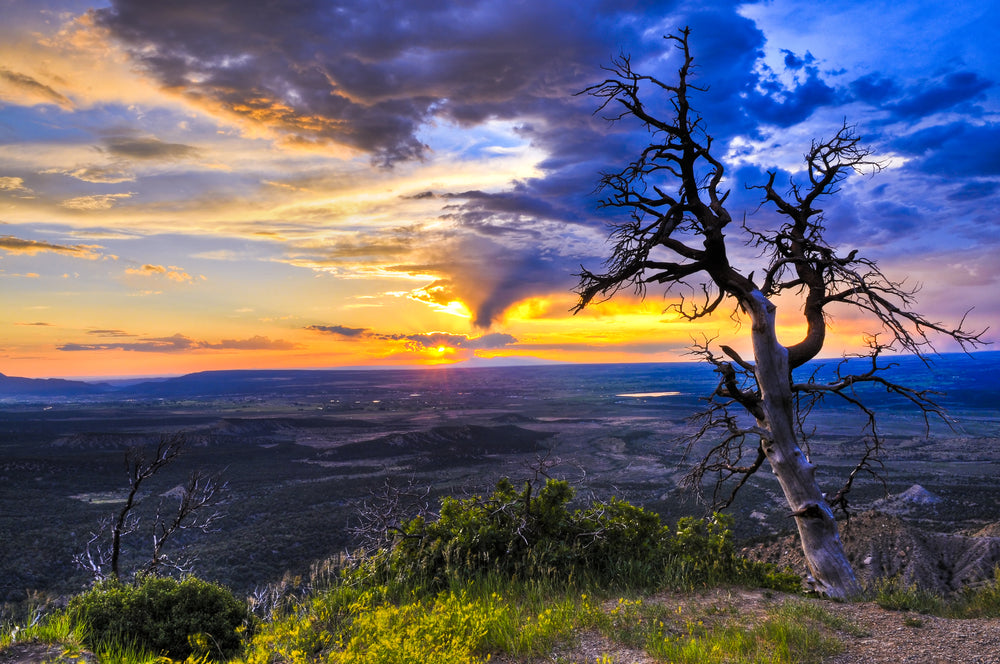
(454,308)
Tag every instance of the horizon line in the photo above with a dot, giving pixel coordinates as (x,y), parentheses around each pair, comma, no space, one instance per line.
(476,363)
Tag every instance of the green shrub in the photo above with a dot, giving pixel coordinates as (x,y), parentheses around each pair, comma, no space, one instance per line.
(702,553)
(162,616)
(530,534)
(982,601)
(527,535)
(892,595)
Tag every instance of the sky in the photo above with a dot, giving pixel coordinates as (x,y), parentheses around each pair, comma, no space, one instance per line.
(237,184)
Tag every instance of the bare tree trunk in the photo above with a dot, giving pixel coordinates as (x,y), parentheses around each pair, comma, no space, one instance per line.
(824,552)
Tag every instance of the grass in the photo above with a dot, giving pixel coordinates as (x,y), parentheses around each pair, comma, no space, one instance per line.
(979,602)
(56,629)
(526,623)
(495,618)
(492,617)
(348,624)
(793,630)
(66,638)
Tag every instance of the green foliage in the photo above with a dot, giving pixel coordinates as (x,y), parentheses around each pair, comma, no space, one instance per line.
(56,628)
(982,601)
(456,626)
(534,535)
(162,616)
(498,575)
(702,554)
(891,594)
(487,576)
(977,602)
(512,533)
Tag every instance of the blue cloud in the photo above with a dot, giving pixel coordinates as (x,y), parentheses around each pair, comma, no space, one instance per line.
(785,107)
(875,88)
(959,149)
(974,191)
(795,62)
(941,95)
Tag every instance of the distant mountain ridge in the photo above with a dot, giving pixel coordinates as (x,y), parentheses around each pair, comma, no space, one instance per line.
(13,386)
(963,380)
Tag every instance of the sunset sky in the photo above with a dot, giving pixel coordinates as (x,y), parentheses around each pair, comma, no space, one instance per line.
(218,184)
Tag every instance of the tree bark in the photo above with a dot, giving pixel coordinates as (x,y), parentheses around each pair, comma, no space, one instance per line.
(824,553)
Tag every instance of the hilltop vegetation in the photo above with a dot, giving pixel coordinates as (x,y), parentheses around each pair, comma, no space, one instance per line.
(515,573)
(515,576)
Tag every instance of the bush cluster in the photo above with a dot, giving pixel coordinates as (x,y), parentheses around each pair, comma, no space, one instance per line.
(533,534)
(162,616)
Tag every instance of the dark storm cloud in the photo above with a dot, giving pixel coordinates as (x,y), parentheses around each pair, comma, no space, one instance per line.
(365,74)
(507,213)
(368,75)
(910,102)
(489,275)
(726,47)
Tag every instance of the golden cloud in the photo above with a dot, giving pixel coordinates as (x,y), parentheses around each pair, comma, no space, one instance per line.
(95,202)
(173,273)
(13,184)
(15,245)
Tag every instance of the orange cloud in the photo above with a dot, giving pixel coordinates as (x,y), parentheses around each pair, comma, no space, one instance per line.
(14,184)
(96,202)
(173,273)
(15,245)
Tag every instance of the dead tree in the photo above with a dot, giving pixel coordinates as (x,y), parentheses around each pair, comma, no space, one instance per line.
(675,236)
(201,491)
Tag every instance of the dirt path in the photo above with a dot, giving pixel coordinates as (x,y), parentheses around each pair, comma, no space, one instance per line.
(906,638)
(881,636)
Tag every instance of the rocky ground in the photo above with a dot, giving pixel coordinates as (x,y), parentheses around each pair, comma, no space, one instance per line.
(878,636)
(882,546)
